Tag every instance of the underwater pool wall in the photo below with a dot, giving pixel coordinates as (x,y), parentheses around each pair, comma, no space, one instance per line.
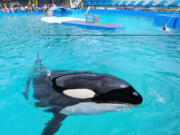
(170,21)
(160,18)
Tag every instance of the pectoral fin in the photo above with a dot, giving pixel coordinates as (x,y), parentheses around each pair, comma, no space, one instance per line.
(54,124)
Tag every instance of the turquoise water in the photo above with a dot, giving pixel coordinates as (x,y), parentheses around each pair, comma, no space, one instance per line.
(150,64)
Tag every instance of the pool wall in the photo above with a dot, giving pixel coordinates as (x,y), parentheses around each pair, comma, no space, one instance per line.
(160,18)
(128,12)
(170,21)
(61,11)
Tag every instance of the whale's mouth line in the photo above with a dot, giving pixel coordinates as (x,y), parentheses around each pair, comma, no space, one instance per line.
(95,108)
(88,94)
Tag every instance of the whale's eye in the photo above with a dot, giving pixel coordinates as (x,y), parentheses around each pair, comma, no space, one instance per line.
(135,93)
(79,93)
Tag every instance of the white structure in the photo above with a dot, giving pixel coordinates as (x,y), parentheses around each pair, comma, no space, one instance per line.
(51,9)
(88,9)
(75,4)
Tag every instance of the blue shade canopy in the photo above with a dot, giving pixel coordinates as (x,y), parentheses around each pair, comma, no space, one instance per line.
(131,3)
(116,3)
(150,3)
(124,3)
(140,3)
(161,4)
(144,3)
(175,4)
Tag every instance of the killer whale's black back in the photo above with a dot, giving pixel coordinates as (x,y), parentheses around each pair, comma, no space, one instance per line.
(99,83)
(49,97)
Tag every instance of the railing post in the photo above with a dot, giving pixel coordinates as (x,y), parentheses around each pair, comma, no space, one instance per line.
(36,10)
(18,11)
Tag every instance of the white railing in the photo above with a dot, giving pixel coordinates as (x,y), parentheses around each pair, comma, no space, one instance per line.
(75,4)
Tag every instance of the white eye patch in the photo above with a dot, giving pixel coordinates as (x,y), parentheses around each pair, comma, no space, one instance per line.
(79,93)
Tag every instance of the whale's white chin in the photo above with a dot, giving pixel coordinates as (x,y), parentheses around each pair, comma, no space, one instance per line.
(94,108)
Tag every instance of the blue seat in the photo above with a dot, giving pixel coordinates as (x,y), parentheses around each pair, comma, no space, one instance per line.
(86,3)
(101,2)
(94,3)
(106,2)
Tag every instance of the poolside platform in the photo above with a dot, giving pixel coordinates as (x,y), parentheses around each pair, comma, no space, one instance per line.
(99,25)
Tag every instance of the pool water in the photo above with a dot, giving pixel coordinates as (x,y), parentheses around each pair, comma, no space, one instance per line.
(150,64)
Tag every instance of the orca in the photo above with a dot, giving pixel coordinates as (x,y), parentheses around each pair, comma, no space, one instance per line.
(67,92)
